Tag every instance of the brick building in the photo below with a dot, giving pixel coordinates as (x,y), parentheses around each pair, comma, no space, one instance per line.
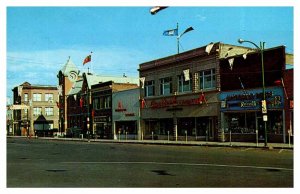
(200,94)
(179,93)
(67,76)
(83,103)
(103,99)
(34,110)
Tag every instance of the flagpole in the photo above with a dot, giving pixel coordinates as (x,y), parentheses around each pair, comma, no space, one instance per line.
(91,62)
(177,40)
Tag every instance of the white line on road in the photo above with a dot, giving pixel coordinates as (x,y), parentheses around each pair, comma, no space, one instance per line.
(280,151)
(185,164)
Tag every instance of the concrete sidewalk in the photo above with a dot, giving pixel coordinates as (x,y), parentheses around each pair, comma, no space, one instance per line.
(179,143)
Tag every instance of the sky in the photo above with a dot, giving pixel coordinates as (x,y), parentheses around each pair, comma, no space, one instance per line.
(40,39)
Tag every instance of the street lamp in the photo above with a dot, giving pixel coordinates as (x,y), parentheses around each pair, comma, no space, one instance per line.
(260,48)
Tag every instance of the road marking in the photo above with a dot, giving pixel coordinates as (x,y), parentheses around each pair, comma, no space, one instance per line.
(185,164)
(280,151)
(247,149)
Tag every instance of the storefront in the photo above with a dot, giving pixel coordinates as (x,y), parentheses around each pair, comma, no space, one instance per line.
(181,117)
(242,118)
(126,114)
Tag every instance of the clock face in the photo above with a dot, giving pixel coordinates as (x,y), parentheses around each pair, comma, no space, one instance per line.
(72,76)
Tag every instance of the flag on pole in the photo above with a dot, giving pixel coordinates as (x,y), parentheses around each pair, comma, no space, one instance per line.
(156,9)
(173,32)
(87,59)
(187,30)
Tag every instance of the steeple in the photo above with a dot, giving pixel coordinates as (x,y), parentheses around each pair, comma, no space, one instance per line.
(69,67)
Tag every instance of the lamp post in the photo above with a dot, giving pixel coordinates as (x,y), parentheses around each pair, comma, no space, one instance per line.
(260,48)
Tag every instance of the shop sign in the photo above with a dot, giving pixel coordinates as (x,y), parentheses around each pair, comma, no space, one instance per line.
(129,114)
(252,99)
(168,102)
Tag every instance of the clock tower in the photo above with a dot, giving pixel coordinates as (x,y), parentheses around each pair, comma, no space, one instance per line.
(66,78)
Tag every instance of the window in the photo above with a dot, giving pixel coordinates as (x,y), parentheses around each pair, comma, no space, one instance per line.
(166,86)
(107,102)
(184,86)
(37,97)
(48,97)
(96,104)
(207,79)
(149,88)
(26,97)
(37,111)
(49,111)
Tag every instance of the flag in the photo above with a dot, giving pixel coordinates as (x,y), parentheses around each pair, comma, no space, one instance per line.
(142,80)
(173,32)
(209,47)
(156,9)
(231,62)
(87,59)
(20,89)
(186,74)
(187,30)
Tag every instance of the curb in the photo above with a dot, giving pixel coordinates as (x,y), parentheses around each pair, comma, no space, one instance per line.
(171,143)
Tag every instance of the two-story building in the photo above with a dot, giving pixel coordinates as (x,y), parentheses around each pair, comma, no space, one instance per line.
(179,93)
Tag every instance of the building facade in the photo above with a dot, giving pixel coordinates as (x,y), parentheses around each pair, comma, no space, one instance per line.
(34,110)
(88,111)
(125,114)
(104,109)
(67,76)
(215,91)
(242,114)
(179,94)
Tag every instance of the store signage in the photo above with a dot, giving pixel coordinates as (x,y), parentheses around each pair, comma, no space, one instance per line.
(129,114)
(168,102)
(252,100)
(120,107)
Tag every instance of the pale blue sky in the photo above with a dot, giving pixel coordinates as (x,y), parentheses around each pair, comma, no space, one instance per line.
(40,39)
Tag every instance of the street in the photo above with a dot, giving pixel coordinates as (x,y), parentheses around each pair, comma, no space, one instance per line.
(53,163)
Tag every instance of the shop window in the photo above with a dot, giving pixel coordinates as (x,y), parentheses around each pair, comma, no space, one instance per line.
(241,123)
(207,79)
(184,86)
(166,86)
(149,88)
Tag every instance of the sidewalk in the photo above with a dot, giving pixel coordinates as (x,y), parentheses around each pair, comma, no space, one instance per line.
(179,143)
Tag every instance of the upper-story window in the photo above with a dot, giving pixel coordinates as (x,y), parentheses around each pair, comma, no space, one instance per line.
(207,79)
(183,84)
(26,97)
(166,86)
(107,102)
(149,88)
(37,111)
(49,111)
(48,97)
(37,97)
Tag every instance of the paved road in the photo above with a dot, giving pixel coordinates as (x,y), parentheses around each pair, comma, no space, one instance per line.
(50,163)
